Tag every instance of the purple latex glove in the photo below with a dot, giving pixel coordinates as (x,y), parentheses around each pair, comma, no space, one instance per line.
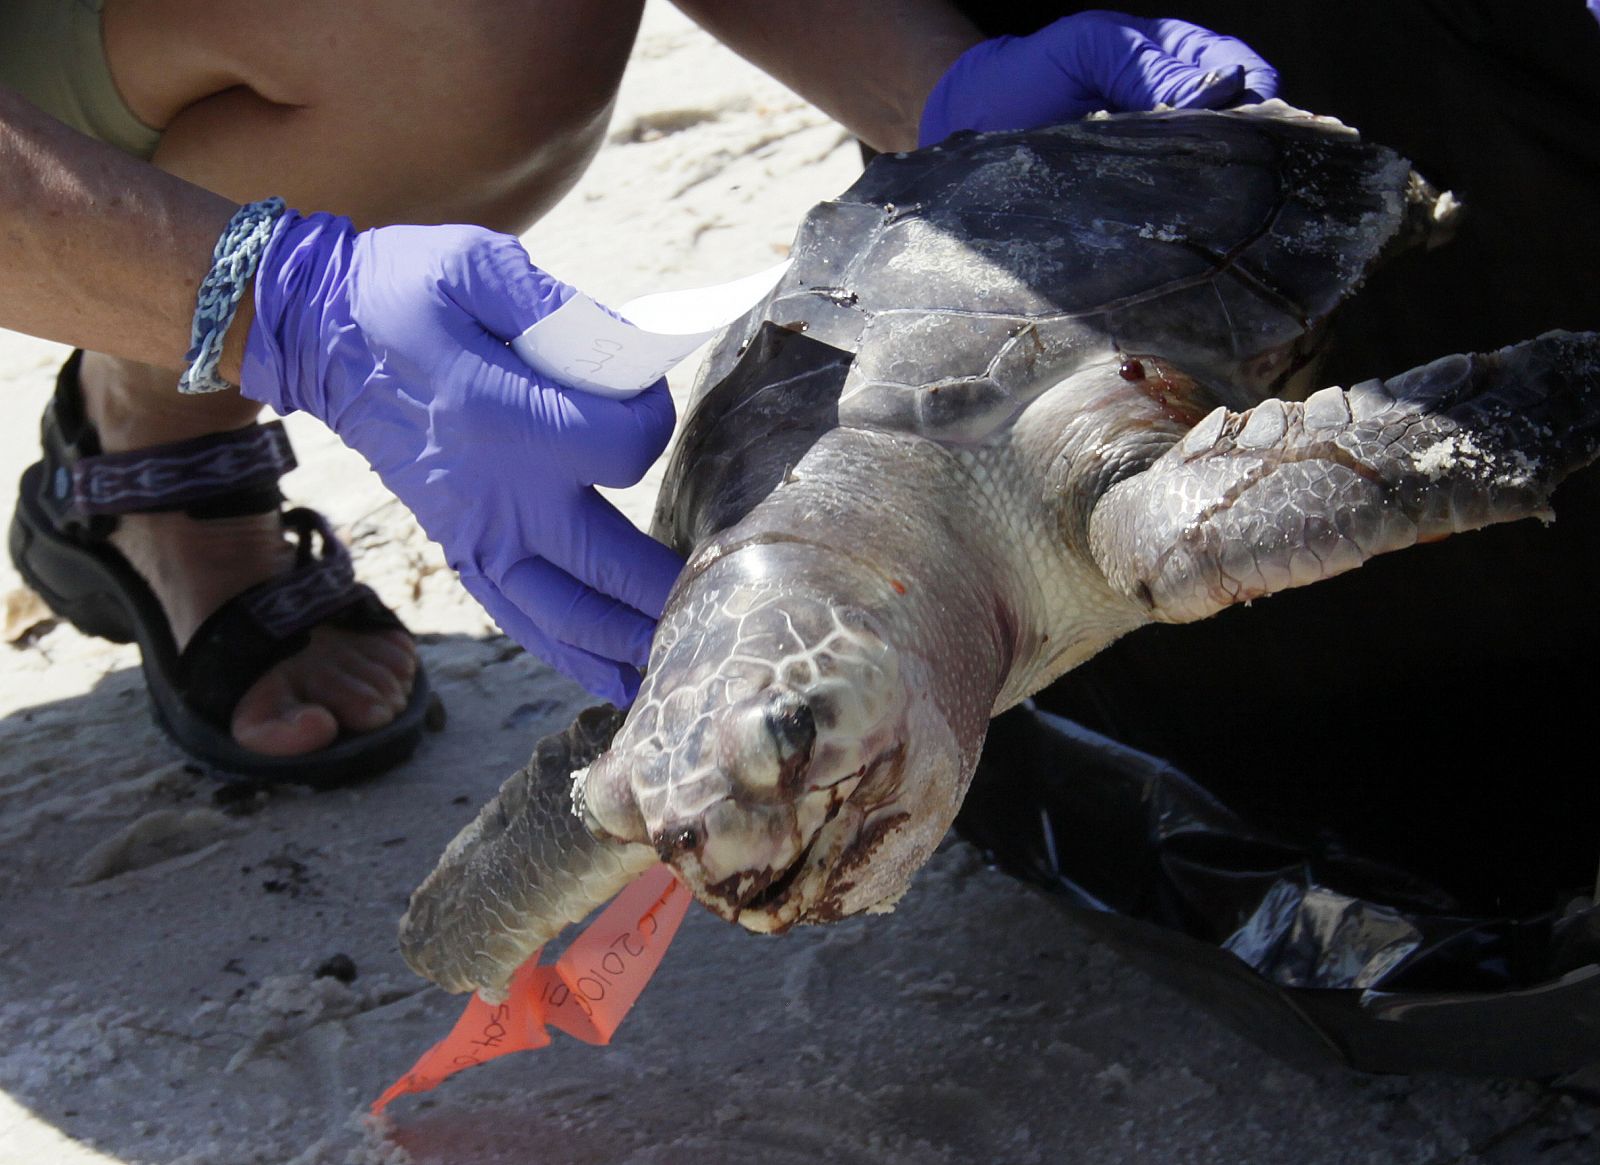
(1594,9)
(397,338)
(1088,62)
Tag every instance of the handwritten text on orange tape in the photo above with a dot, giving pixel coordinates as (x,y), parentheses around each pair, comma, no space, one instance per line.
(585,993)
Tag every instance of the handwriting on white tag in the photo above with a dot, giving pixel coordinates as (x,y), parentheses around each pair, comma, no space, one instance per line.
(583,346)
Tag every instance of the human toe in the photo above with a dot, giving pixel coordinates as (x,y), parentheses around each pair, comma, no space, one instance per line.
(394,650)
(341,685)
(342,681)
(272,719)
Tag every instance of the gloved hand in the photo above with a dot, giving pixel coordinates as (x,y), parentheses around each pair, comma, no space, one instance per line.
(397,338)
(1092,61)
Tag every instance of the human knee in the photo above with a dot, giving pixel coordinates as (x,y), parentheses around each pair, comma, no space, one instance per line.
(484,109)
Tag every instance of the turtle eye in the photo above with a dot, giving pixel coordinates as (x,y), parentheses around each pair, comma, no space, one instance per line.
(767,741)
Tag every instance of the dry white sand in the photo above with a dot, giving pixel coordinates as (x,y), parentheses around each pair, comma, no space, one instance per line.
(160,1000)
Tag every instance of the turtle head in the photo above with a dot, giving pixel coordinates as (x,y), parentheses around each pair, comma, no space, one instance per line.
(779,757)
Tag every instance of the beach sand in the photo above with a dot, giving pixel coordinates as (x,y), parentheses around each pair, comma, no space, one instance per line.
(164,944)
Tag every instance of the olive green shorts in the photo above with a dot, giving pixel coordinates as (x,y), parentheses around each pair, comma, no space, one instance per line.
(50,52)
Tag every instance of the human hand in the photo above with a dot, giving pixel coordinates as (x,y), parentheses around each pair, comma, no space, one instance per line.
(397,338)
(1092,61)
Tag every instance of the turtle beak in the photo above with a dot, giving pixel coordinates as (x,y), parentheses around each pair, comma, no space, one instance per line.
(758,833)
(735,815)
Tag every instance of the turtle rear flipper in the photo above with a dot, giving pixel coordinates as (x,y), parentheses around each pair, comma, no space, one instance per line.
(1290,493)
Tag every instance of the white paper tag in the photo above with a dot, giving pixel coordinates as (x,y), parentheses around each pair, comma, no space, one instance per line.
(582,346)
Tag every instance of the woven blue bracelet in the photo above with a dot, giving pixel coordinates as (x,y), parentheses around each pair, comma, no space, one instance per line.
(233,262)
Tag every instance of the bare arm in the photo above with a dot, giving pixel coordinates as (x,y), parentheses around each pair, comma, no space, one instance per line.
(868,63)
(98,249)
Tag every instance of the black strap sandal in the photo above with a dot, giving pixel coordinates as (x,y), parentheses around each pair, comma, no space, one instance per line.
(69,504)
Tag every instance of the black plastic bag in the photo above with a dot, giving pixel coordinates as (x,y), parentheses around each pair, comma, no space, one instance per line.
(1309,949)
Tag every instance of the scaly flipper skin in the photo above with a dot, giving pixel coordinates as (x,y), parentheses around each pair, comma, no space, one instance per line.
(478,916)
(1287,494)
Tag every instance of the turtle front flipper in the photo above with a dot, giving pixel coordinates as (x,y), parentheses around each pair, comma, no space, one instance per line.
(521,871)
(1287,493)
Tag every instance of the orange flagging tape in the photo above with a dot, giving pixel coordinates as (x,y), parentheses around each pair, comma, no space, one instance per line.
(585,992)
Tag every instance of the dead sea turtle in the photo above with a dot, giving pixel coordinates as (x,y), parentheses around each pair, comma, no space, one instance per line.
(1017,396)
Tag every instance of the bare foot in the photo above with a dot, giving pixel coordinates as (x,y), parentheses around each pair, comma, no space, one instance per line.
(350,680)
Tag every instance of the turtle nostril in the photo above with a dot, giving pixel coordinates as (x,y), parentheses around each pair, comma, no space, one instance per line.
(675,842)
